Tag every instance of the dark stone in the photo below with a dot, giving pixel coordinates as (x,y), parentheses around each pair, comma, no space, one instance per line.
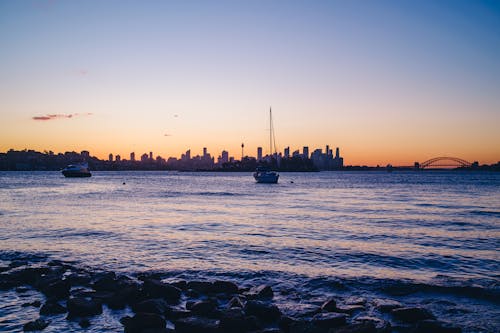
(285,323)
(329,305)
(35,304)
(234,320)
(182,285)
(79,279)
(124,296)
(386,305)
(260,292)
(203,308)
(235,302)
(203,287)
(364,327)
(178,313)
(381,325)
(52,307)
(300,310)
(196,325)
(350,309)
(412,315)
(105,282)
(225,287)
(158,306)
(58,289)
(262,310)
(36,325)
(84,323)
(142,321)
(156,288)
(329,320)
(81,307)
(436,326)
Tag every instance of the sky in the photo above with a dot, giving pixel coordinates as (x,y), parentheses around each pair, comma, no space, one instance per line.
(386,81)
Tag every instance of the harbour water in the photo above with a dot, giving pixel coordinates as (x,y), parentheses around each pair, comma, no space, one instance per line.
(424,238)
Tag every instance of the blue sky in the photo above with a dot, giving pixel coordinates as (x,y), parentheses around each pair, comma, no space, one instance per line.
(387,81)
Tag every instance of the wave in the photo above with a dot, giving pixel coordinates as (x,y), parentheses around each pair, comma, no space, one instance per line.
(202,194)
(485,212)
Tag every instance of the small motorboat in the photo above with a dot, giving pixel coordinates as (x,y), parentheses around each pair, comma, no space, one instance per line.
(264,175)
(76,170)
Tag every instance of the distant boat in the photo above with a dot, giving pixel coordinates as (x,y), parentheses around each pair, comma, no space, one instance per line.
(264,174)
(76,170)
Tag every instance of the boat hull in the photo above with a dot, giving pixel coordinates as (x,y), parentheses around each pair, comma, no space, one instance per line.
(73,174)
(266,178)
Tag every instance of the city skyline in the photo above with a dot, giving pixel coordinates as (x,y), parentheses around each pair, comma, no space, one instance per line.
(389,82)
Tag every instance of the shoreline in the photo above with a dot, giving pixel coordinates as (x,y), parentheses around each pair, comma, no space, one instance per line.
(147,302)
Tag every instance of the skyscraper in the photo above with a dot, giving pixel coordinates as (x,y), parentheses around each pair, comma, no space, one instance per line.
(287,152)
(110,157)
(305,152)
(259,153)
(132,156)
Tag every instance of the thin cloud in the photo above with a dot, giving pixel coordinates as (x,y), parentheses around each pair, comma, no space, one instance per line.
(166,134)
(60,116)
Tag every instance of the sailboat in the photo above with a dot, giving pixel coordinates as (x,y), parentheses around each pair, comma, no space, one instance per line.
(264,174)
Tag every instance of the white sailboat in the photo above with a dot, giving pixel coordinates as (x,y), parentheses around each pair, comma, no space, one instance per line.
(264,174)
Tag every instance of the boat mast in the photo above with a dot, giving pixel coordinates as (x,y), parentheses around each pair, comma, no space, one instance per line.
(270,132)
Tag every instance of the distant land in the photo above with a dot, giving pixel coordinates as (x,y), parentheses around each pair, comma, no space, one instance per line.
(30,160)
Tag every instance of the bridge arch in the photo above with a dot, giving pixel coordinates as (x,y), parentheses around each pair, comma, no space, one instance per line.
(445,161)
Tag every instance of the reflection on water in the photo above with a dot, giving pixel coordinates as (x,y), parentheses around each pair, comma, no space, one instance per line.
(399,225)
(326,233)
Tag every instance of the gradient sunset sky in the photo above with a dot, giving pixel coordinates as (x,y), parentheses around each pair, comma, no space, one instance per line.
(386,81)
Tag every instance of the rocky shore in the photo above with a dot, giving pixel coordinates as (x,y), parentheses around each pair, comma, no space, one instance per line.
(182,306)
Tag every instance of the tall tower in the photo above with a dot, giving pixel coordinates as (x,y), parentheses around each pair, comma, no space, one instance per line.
(132,156)
(259,153)
(242,146)
(337,153)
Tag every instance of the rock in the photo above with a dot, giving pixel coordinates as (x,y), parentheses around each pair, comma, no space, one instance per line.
(203,308)
(224,287)
(79,279)
(196,325)
(156,288)
(354,300)
(35,304)
(365,327)
(124,296)
(235,302)
(412,315)
(328,320)
(158,306)
(260,292)
(52,307)
(4,269)
(203,287)
(262,310)
(36,325)
(142,321)
(350,309)
(174,314)
(233,320)
(84,323)
(381,325)
(329,305)
(105,282)
(182,285)
(386,305)
(300,310)
(81,307)
(435,326)
(58,289)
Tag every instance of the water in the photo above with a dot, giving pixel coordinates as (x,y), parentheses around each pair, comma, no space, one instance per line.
(371,233)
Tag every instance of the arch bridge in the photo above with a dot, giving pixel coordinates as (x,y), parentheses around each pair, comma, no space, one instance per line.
(445,162)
